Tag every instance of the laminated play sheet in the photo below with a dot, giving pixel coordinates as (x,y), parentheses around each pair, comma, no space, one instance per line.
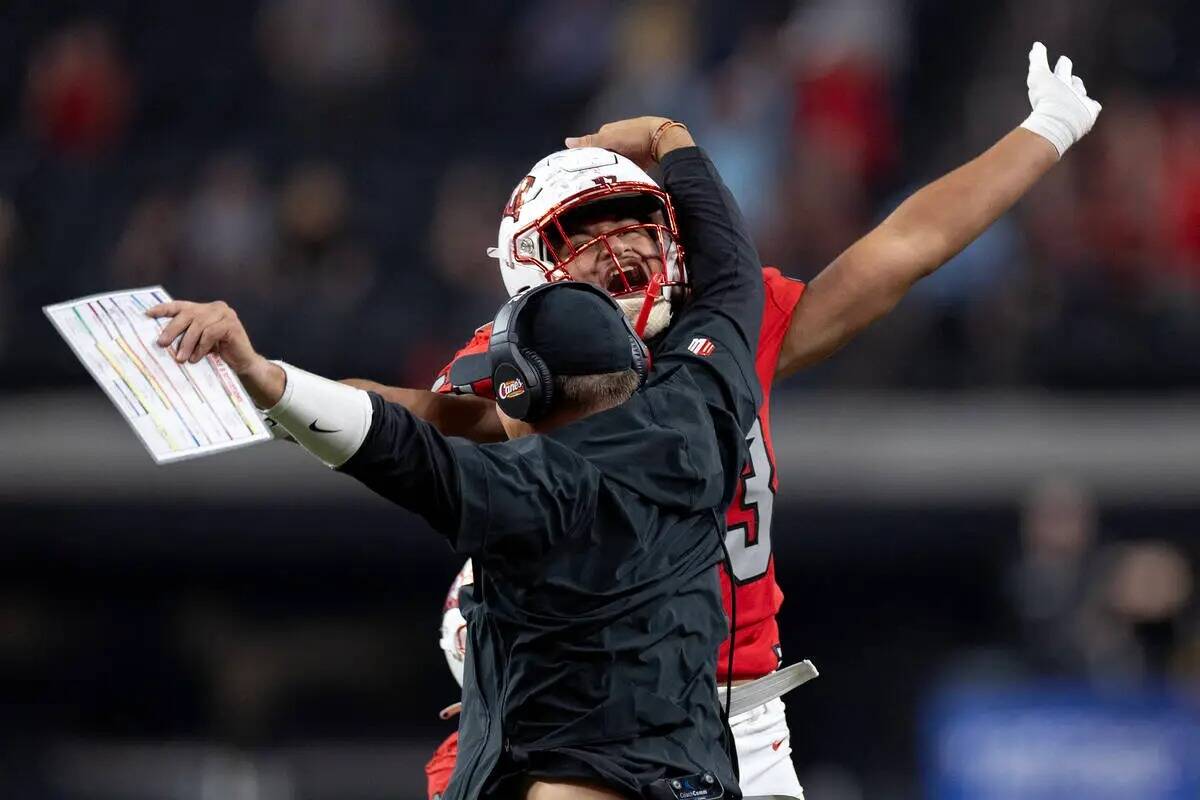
(178,410)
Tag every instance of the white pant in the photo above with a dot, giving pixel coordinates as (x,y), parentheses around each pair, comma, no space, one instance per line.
(764,751)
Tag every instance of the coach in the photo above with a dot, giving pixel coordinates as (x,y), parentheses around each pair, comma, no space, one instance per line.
(595,529)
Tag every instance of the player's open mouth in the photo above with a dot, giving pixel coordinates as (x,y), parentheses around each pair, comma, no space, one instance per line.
(627,277)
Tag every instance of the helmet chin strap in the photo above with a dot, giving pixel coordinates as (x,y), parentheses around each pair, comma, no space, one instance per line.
(653,292)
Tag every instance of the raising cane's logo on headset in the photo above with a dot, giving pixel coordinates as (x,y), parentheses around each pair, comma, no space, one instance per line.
(510,388)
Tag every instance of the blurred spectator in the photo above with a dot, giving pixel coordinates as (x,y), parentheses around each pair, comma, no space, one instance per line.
(1181,205)
(227,228)
(1107,613)
(1134,612)
(547,41)
(846,53)
(79,90)
(1122,197)
(466,216)
(327,46)
(841,58)
(1050,579)
(652,65)
(148,251)
(744,121)
(319,256)
(465,285)
(820,208)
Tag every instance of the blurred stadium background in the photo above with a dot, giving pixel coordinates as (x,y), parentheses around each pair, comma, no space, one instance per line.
(989,505)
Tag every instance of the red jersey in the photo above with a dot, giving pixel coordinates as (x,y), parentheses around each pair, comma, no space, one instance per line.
(748,519)
(756,649)
(441,767)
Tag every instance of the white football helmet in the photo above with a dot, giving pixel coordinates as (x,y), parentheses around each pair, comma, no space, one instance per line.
(453,640)
(535,247)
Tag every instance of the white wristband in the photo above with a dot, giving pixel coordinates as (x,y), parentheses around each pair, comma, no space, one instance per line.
(326,418)
(1052,130)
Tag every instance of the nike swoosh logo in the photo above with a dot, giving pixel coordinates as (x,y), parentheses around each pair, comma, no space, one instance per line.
(312,426)
(778,744)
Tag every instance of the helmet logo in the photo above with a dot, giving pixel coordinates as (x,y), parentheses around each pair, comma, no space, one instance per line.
(605,180)
(510,388)
(513,209)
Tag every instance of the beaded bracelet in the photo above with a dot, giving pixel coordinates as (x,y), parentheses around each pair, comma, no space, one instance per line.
(658,134)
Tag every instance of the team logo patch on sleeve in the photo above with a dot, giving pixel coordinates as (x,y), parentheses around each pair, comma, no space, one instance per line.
(702,346)
(509,389)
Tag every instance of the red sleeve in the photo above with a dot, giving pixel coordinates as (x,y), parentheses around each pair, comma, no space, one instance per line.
(469,376)
(782,295)
(441,767)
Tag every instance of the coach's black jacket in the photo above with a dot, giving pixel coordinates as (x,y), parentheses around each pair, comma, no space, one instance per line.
(596,613)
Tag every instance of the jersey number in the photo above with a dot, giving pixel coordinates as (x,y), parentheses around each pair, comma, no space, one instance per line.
(748,537)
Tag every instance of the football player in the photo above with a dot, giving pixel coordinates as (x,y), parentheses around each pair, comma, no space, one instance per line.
(597,216)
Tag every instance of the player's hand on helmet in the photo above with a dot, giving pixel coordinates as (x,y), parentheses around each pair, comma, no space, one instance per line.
(635,139)
(204,328)
(1062,111)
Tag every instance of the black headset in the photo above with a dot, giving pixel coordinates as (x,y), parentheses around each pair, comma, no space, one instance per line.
(521,381)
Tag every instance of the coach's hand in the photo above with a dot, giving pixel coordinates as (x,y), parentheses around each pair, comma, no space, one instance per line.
(643,140)
(204,328)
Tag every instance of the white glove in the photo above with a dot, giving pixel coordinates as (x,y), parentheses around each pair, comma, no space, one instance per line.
(1062,111)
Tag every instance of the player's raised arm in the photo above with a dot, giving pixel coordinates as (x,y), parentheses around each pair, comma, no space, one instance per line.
(930,227)
(717,333)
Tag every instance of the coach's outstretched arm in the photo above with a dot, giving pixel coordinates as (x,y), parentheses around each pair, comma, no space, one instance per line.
(331,420)
(455,485)
(930,227)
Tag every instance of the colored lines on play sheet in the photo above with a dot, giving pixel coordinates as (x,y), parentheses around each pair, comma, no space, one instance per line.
(105,318)
(226,380)
(177,409)
(215,425)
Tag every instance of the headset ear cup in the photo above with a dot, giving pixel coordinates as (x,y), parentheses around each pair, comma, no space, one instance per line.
(543,395)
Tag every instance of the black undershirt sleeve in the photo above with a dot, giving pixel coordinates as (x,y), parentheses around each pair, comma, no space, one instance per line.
(716,335)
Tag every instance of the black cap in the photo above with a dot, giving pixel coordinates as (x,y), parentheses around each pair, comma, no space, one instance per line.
(577,333)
